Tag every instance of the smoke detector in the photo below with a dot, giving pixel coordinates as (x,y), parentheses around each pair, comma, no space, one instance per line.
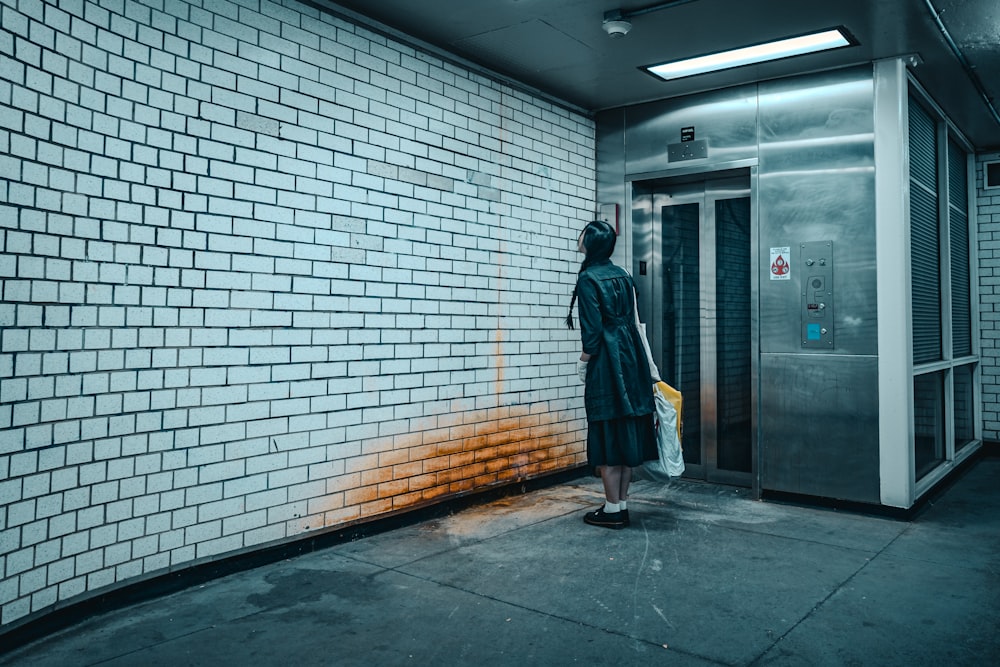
(615,24)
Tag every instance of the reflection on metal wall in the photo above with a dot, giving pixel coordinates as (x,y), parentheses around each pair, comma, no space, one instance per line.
(819,425)
(817,168)
(727,119)
(819,407)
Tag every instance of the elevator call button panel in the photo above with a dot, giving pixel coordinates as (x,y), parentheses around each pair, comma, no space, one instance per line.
(816,269)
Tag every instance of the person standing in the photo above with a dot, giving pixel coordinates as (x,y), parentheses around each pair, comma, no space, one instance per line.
(613,366)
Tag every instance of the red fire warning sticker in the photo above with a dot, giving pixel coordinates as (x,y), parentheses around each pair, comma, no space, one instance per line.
(781,263)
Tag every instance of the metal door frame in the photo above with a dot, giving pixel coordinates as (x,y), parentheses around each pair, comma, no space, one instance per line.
(648,196)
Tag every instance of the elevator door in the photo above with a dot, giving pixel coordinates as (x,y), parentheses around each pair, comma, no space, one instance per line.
(697,270)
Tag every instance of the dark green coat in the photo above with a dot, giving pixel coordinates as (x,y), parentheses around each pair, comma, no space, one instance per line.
(618,380)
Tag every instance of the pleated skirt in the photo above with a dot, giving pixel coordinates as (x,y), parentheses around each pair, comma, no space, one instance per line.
(627,441)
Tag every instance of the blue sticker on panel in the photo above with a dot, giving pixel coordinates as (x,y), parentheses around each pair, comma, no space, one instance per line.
(813,332)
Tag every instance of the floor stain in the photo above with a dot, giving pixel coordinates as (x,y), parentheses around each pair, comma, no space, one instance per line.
(297,586)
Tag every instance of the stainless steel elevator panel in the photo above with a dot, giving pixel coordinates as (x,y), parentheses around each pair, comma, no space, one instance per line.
(817,183)
(819,425)
(818,403)
(725,119)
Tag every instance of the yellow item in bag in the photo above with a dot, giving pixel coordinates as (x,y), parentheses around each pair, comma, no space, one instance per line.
(675,399)
(670,463)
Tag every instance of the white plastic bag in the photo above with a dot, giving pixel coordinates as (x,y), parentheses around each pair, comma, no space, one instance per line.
(668,435)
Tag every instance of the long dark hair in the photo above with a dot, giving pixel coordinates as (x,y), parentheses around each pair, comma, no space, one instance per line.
(599,240)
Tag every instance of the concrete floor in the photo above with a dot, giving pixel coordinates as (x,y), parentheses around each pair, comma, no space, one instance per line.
(704,576)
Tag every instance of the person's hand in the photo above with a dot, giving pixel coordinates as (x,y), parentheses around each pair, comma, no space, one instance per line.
(581,370)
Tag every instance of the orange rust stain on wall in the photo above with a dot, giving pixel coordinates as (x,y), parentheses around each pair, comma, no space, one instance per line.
(461,459)
(453,446)
(476,442)
(509,449)
(407,470)
(454,453)
(376,507)
(325,504)
(435,435)
(496,465)
(486,453)
(436,464)
(407,440)
(435,492)
(407,500)
(376,475)
(422,482)
(393,457)
(526,421)
(509,424)
(462,485)
(342,515)
(393,488)
(343,483)
(462,432)
(374,445)
(422,452)
(360,495)
(361,463)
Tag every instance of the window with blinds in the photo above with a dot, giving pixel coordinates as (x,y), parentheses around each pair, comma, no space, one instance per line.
(958,229)
(944,378)
(924,237)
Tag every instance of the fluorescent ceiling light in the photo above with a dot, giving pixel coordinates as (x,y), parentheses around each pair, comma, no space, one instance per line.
(749,55)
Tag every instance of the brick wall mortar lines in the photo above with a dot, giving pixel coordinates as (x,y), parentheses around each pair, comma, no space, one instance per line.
(987,234)
(245,297)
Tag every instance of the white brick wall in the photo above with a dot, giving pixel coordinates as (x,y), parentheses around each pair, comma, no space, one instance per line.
(264,272)
(988,235)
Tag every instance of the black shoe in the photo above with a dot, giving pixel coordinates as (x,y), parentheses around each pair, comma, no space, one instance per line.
(605,519)
(625,518)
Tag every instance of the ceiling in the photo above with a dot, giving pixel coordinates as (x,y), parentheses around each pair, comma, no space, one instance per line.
(559,48)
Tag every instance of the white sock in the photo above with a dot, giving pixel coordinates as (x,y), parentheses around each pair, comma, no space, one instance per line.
(611,508)
(622,506)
